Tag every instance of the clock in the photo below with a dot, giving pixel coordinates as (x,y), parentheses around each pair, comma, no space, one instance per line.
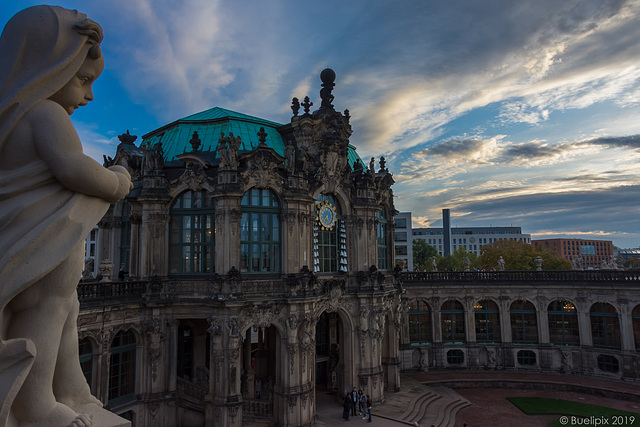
(326,215)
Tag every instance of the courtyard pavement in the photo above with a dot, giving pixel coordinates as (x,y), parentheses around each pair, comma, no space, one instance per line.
(489,406)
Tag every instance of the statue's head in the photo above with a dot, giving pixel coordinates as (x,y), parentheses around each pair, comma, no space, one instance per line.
(42,49)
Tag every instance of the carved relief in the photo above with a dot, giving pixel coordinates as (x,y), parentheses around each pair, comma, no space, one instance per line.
(194,177)
(155,336)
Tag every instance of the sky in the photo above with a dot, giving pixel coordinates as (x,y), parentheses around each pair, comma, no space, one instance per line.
(510,113)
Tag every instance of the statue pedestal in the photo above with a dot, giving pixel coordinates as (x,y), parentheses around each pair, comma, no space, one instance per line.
(104,418)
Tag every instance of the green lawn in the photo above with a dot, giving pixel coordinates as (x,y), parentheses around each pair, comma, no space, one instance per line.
(587,414)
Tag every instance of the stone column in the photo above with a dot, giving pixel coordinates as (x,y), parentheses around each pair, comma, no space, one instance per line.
(228,217)
(584,322)
(542,316)
(626,327)
(134,255)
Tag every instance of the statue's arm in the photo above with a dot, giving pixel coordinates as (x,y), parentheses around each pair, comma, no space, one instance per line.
(58,144)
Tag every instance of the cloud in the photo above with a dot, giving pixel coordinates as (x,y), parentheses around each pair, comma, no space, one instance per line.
(631,141)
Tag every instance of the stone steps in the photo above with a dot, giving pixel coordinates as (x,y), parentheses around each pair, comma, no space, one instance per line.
(435,406)
(418,406)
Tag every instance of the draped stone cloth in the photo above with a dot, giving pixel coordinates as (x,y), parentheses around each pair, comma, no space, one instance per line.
(41,221)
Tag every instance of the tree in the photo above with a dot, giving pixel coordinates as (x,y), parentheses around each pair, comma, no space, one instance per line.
(422,253)
(519,256)
(455,261)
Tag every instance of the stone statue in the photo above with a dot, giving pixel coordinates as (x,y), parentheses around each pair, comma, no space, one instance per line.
(467,264)
(434,265)
(538,261)
(290,156)
(501,263)
(51,197)
(577,263)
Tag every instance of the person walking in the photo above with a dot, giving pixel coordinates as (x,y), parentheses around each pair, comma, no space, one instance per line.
(363,403)
(369,406)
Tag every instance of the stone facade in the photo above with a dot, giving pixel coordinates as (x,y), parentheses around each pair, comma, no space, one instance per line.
(567,322)
(233,296)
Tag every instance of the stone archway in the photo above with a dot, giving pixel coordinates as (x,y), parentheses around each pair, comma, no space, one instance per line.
(261,372)
(335,363)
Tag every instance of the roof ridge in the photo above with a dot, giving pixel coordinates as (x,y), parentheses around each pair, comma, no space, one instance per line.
(221,113)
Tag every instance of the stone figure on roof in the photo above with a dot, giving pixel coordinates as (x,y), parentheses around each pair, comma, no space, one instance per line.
(501,263)
(290,156)
(51,197)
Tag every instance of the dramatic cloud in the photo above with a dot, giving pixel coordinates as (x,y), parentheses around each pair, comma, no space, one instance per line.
(501,110)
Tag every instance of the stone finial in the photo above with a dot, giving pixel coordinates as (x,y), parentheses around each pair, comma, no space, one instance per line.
(538,261)
(295,106)
(306,104)
(262,135)
(195,142)
(328,77)
(106,267)
(127,138)
(383,164)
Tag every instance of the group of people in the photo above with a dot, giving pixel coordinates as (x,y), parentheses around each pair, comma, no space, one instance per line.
(356,403)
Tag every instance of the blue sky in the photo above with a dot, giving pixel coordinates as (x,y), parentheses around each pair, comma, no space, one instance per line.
(523,113)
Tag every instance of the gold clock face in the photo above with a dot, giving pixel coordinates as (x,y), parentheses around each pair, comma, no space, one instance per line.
(326,215)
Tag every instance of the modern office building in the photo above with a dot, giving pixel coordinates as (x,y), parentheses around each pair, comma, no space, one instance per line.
(472,239)
(403,240)
(594,254)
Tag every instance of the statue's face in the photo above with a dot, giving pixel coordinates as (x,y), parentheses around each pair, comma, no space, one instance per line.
(78,91)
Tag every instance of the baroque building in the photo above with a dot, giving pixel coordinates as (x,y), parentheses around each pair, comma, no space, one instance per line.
(250,267)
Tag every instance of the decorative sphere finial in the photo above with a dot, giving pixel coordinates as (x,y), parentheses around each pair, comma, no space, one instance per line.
(328,76)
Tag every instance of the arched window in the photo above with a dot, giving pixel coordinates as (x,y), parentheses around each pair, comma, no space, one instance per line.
(452,321)
(122,368)
(563,323)
(524,324)
(185,352)
(635,316)
(329,237)
(487,321)
(605,325)
(419,323)
(192,234)
(260,232)
(85,350)
(383,245)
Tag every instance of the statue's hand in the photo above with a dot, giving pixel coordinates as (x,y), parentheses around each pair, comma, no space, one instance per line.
(120,169)
(124,185)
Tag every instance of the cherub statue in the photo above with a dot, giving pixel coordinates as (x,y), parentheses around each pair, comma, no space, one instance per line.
(51,196)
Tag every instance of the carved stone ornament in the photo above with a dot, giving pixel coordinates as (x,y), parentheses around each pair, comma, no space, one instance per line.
(193,177)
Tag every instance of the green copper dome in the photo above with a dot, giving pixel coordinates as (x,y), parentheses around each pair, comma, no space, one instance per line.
(210,125)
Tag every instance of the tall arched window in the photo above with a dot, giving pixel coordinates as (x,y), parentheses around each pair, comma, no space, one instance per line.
(122,368)
(383,245)
(185,352)
(192,234)
(524,324)
(635,316)
(419,323)
(329,236)
(563,323)
(260,232)
(487,321)
(85,351)
(605,325)
(452,322)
